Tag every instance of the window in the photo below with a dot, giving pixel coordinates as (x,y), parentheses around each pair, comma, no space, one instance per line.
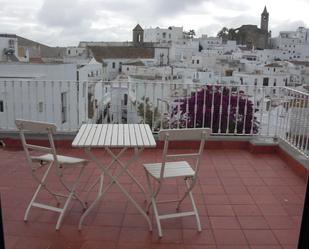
(265,81)
(1,106)
(274,69)
(275,82)
(197,61)
(255,82)
(64,107)
(164,35)
(114,65)
(40,106)
(125,101)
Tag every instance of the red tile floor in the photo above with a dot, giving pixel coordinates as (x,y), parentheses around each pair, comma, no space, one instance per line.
(245,200)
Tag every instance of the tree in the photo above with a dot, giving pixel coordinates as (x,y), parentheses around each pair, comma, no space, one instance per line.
(190,34)
(236,114)
(223,33)
(148,113)
(227,34)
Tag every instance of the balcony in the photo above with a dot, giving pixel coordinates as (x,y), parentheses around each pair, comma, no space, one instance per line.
(245,200)
(251,183)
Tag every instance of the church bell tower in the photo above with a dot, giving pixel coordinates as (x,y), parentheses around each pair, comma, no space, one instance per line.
(264,20)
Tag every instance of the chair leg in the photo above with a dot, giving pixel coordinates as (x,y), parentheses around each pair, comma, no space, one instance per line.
(71,195)
(153,195)
(155,210)
(74,186)
(198,222)
(41,185)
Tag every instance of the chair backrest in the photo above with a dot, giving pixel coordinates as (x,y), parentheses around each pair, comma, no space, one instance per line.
(194,134)
(37,127)
(184,134)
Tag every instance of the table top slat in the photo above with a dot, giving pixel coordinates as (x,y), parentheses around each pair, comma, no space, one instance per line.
(115,132)
(79,135)
(132,135)
(97,134)
(85,135)
(144,135)
(101,140)
(91,135)
(108,136)
(126,136)
(120,141)
(152,141)
(138,135)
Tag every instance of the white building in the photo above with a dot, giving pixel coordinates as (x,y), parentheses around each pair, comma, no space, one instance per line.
(46,92)
(163,35)
(9,51)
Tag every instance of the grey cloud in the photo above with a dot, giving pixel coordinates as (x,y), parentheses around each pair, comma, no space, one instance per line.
(68,13)
(235,22)
(286,25)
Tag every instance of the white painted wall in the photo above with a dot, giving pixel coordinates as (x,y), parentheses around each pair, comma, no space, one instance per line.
(33,91)
(163,35)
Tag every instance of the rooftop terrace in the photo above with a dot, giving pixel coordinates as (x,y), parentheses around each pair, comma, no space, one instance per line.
(245,200)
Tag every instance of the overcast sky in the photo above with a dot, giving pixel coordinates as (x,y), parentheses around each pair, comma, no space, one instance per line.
(66,22)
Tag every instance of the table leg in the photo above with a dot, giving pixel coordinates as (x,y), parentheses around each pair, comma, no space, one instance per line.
(126,166)
(113,180)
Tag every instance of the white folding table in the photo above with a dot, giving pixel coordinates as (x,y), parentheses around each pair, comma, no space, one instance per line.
(111,136)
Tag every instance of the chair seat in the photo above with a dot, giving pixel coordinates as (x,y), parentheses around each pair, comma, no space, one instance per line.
(172,169)
(61,159)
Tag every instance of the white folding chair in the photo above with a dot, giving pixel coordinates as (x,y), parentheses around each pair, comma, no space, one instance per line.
(167,169)
(48,160)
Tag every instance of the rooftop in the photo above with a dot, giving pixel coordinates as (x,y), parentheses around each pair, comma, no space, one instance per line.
(245,200)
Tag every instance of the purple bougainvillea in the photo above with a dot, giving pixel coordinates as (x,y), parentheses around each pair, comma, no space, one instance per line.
(236,114)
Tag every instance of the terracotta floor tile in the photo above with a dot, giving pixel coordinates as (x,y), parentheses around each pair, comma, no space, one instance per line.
(233,247)
(220,210)
(287,237)
(249,181)
(216,199)
(98,245)
(265,199)
(272,209)
(236,189)
(139,235)
(281,222)
(169,236)
(260,237)
(240,199)
(229,237)
(108,219)
(200,247)
(224,223)
(167,246)
(205,237)
(246,210)
(130,245)
(252,222)
(266,247)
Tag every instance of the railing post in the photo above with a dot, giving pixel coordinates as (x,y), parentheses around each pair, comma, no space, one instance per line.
(303,241)
(2,244)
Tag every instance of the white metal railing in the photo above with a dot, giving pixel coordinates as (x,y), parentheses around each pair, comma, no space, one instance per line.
(237,110)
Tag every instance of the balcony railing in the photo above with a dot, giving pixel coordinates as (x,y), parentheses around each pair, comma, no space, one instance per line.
(230,110)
